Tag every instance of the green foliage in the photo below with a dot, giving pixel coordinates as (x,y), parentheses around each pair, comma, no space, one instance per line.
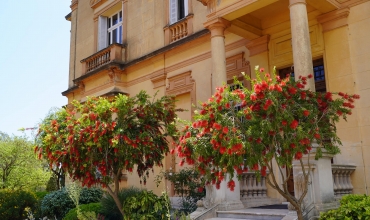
(58,203)
(277,120)
(188,185)
(13,204)
(19,168)
(351,207)
(97,140)
(146,206)
(85,208)
(52,184)
(109,208)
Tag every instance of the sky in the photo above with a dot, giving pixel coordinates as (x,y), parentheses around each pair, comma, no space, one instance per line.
(34,61)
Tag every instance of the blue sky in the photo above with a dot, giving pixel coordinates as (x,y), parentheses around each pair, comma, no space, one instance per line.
(34,60)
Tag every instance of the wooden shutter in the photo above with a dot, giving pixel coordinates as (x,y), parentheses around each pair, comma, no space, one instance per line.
(102,32)
(173,11)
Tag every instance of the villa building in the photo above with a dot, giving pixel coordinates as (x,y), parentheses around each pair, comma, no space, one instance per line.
(186,48)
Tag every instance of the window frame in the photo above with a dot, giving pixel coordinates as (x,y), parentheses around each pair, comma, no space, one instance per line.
(173,10)
(111,27)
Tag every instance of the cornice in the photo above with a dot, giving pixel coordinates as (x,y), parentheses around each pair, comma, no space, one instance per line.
(334,19)
(96,3)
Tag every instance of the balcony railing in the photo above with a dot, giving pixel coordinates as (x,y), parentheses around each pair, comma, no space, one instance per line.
(342,179)
(252,187)
(114,52)
(179,30)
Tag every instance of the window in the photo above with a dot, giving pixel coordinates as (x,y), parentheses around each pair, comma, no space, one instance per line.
(110,30)
(318,73)
(178,10)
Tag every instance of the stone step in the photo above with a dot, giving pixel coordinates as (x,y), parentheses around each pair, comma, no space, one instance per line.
(227,219)
(254,213)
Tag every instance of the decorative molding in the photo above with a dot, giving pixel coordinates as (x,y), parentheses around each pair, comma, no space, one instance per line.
(181,84)
(81,87)
(74,5)
(107,7)
(217,26)
(114,74)
(96,3)
(334,19)
(281,52)
(258,45)
(158,78)
(235,65)
(211,4)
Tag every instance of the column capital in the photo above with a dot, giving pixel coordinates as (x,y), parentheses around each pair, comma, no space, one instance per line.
(293,2)
(258,45)
(217,26)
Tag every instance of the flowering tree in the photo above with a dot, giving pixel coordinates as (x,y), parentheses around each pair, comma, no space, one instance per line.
(240,130)
(97,140)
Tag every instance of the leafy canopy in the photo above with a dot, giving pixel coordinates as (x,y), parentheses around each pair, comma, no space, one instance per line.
(19,168)
(278,119)
(96,140)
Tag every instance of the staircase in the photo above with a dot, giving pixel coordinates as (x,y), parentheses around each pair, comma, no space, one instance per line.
(260,213)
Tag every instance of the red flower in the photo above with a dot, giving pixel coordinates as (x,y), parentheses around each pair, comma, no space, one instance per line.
(298,155)
(329,96)
(339,112)
(200,189)
(306,113)
(284,123)
(310,76)
(262,70)
(227,105)
(253,97)
(294,124)
(231,185)
(278,88)
(317,136)
(181,163)
(292,90)
(172,151)
(292,145)
(225,130)
(217,126)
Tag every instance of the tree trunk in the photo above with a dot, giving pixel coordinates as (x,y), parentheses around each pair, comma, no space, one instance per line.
(299,213)
(115,198)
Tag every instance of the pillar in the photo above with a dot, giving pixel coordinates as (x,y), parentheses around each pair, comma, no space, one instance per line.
(217,28)
(301,45)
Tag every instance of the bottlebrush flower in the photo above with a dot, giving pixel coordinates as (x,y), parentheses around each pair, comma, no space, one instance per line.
(253,97)
(225,130)
(294,124)
(217,126)
(306,113)
(298,155)
(292,90)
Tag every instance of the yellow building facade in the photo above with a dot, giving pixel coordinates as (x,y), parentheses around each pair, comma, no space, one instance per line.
(188,47)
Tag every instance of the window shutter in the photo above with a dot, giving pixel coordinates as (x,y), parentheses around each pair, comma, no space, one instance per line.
(102,33)
(173,11)
(186,7)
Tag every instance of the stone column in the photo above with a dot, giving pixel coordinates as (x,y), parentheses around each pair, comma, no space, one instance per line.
(302,56)
(217,28)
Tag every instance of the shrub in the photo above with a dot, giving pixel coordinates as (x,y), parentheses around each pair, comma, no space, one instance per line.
(109,207)
(188,185)
(58,203)
(37,211)
(146,205)
(91,207)
(13,203)
(351,207)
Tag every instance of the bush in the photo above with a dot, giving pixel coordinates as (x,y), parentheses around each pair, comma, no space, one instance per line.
(351,207)
(58,203)
(13,203)
(91,207)
(37,211)
(188,185)
(109,207)
(146,205)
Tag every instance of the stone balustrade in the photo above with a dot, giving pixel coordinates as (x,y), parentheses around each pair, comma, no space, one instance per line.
(342,179)
(114,52)
(252,187)
(178,30)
